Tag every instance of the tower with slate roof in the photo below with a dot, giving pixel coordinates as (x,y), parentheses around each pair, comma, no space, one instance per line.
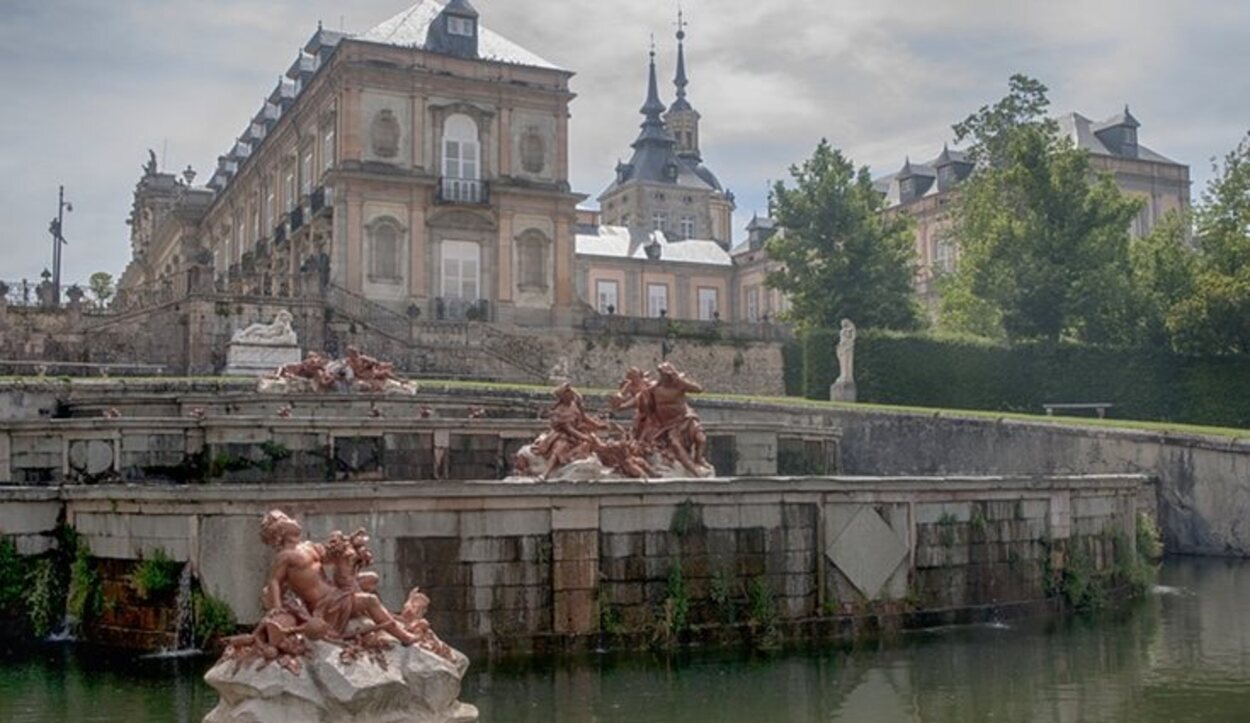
(665,186)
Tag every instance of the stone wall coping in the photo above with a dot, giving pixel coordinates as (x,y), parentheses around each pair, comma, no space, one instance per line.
(195,391)
(331,423)
(369,495)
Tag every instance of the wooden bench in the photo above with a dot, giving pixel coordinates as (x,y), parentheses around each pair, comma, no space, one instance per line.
(1099,407)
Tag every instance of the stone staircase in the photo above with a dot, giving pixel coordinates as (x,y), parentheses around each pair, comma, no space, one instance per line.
(454,349)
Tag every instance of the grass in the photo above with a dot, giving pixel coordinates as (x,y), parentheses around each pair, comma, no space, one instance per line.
(951,413)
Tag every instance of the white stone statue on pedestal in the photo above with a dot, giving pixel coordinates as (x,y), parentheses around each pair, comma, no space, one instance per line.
(261,348)
(843,390)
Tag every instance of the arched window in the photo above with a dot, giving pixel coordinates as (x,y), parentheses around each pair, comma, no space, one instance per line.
(532,260)
(461,152)
(385,250)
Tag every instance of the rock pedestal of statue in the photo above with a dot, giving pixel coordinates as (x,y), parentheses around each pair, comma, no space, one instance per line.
(842,391)
(414,686)
(261,348)
(244,359)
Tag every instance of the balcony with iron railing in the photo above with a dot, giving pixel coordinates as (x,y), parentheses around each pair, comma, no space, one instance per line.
(454,309)
(462,191)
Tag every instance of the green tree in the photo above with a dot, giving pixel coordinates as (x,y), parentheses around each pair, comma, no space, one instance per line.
(1163,274)
(840,255)
(101,285)
(1215,317)
(1044,240)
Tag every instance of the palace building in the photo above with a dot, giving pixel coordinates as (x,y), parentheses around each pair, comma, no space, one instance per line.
(421,166)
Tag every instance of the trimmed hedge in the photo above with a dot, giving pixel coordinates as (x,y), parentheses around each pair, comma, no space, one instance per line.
(1145,384)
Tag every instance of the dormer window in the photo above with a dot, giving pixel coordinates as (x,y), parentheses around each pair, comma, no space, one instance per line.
(460,26)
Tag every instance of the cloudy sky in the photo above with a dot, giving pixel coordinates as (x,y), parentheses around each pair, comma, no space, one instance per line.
(90,85)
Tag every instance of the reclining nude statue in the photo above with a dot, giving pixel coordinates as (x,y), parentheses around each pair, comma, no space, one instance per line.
(322,610)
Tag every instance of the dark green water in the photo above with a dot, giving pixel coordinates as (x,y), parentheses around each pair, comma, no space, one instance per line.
(1181,655)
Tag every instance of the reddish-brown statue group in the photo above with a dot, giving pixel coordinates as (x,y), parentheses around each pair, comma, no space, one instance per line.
(665,430)
(355,371)
(323,592)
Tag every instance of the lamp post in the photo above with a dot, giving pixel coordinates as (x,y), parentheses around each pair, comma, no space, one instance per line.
(57,228)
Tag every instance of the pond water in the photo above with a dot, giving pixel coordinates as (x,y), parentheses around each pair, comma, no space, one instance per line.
(1183,654)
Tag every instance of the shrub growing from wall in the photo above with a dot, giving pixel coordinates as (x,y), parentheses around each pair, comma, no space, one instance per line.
(963,373)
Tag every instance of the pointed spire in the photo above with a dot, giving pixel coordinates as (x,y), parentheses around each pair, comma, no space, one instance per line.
(653,127)
(653,108)
(681,81)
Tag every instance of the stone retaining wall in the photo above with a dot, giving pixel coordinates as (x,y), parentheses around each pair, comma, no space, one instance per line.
(516,565)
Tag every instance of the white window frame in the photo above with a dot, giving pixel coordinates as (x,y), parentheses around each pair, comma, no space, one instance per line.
(709,302)
(460,269)
(657,302)
(290,186)
(687,227)
(659,221)
(460,26)
(608,293)
(306,166)
(753,303)
(327,149)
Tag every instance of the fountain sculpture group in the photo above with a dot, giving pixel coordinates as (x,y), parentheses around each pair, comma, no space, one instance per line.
(665,441)
(355,372)
(327,648)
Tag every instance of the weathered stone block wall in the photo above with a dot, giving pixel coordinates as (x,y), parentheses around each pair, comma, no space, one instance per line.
(1203,495)
(515,565)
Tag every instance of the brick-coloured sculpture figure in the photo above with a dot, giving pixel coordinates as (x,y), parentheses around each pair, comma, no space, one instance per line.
(323,622)
(666,439)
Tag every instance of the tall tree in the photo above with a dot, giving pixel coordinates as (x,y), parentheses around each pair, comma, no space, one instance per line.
(1044,240)
(840,255)
(101,285)
(1163,270)
(1215,318)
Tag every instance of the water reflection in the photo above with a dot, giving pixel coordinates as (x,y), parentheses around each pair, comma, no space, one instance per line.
(1183,654)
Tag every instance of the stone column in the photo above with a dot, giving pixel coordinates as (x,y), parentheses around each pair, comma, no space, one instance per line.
(575,565)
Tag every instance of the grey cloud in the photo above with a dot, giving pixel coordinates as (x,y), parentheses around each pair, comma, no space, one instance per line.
(93,84)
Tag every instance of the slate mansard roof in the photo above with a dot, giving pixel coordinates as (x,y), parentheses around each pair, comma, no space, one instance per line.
(618,242)
(1094,136)
(1084,133)
(411,27)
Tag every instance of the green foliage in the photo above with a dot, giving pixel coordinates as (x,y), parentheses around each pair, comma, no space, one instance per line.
(101,285)
(610,622)
(840,255)
(1149,542)
(44,596)
(1215,317)
(1079,583)
(1164,271)
(792,367)
(968,373)
(677,598)
(12,576)
(155,576)
(993,127)
(1132,567)
(722,595)
(213,618)
(820,361)
(687,517)
(673,614)
(1044,240)
(86,596)
(762,613)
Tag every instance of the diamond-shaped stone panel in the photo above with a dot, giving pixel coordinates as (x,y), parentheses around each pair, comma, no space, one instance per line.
(868,552)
